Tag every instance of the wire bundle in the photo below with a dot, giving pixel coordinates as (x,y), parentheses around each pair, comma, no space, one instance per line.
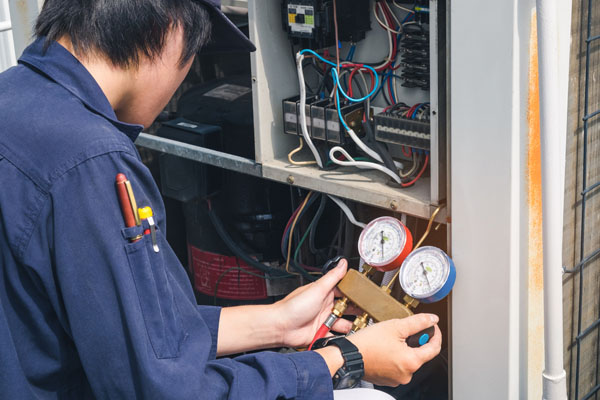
(374,78)
(287,239)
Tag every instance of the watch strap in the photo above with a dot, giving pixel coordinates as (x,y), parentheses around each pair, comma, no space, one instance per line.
(352,371)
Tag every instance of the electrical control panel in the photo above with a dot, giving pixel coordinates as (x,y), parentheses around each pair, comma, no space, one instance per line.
(386,104)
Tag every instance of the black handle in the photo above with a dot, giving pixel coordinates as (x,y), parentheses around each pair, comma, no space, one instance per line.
(420,338)
(330,264)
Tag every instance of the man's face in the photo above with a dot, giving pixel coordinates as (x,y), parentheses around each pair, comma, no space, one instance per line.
(155,82)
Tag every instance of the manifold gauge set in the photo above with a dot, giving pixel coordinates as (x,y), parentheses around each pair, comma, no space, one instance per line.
(427,274)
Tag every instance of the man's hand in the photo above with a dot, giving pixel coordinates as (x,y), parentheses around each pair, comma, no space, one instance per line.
(388,359)
(304,310)
(291,322)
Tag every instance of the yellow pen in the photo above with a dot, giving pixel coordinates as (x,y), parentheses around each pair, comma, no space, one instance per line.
(146,213)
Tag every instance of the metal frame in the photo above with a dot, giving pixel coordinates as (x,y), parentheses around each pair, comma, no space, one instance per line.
(586,191)
(200,154)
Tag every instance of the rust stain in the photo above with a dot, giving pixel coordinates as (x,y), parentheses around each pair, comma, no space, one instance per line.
(535,321)
(534,168)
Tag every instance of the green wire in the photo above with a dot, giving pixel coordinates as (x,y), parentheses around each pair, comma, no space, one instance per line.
(302,240)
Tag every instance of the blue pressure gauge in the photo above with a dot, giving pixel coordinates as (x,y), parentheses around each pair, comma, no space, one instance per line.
(427,274)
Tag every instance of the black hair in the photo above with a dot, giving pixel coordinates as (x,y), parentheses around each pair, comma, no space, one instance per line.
(124,30)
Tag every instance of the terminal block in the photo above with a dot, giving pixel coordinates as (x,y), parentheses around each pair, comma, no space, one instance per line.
(322,119)
(392,128)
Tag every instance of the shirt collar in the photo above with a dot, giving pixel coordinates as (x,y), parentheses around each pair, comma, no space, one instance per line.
(62,67)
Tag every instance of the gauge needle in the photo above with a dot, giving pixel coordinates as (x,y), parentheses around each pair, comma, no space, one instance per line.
(382,243)
(425,273)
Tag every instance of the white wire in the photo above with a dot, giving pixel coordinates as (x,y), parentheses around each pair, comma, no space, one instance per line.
(313,149)
(385,26)
(372,153)
(395,18)
(344,72)
(360,164)
(402,8)
(347,211)
(390,55)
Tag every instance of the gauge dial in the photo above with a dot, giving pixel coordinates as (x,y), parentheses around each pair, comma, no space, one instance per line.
(427,274)
(384,243)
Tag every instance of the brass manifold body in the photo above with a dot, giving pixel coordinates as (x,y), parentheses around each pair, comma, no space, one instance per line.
(375,301)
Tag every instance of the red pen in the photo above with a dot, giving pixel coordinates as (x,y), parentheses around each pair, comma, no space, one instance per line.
(126,203)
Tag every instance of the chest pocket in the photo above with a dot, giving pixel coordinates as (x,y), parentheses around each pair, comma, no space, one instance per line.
(159,308)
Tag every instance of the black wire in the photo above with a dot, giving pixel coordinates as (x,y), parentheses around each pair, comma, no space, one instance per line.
(348,238)
(273,272)
(379,147)
(321,81)
(314,223)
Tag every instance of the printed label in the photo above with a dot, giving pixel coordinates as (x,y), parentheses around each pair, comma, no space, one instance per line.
(319,123)
(212,269)
(289,117)
(228,92)
(301,18)
(187,125)
(333,126)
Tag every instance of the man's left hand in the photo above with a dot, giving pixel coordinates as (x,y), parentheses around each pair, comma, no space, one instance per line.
(303,311)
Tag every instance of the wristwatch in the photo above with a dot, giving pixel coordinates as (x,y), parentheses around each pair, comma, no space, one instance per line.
(353,370)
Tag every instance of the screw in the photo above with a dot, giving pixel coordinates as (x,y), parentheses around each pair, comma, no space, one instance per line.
(253,79)
(290,179)
(394,205)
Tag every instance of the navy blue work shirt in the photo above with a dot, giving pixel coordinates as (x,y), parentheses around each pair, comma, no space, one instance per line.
(84,312)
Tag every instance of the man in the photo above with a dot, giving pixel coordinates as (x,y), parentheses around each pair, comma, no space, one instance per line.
(87,308)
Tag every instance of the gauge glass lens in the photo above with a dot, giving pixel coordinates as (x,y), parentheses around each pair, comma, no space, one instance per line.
(382,241)
(424,272)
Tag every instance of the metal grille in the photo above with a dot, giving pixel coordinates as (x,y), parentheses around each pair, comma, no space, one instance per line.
(585,346)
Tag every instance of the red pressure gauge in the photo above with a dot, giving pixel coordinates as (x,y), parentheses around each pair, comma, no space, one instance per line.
(385,243)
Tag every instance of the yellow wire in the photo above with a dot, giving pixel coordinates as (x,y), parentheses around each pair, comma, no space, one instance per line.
(297,149)
(287,262)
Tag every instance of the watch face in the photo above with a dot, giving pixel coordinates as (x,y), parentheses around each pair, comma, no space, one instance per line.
(347,381)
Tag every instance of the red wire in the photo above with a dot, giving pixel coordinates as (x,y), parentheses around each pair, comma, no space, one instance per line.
(320,333)
(420,173)
(390,91)
(288,225)
(386,13)
(350,80)
(407,154)
(411,110)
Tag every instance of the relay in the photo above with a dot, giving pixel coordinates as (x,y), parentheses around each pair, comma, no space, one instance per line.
(310,22)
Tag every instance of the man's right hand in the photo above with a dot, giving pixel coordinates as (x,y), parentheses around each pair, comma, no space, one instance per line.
(388,360)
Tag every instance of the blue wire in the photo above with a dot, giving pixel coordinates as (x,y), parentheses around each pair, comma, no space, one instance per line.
(337,79)
(339,110)
(414,114)
(350,55)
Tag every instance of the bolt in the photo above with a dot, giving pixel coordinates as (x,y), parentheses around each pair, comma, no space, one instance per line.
(394,205)
(253,79)
(290,179)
